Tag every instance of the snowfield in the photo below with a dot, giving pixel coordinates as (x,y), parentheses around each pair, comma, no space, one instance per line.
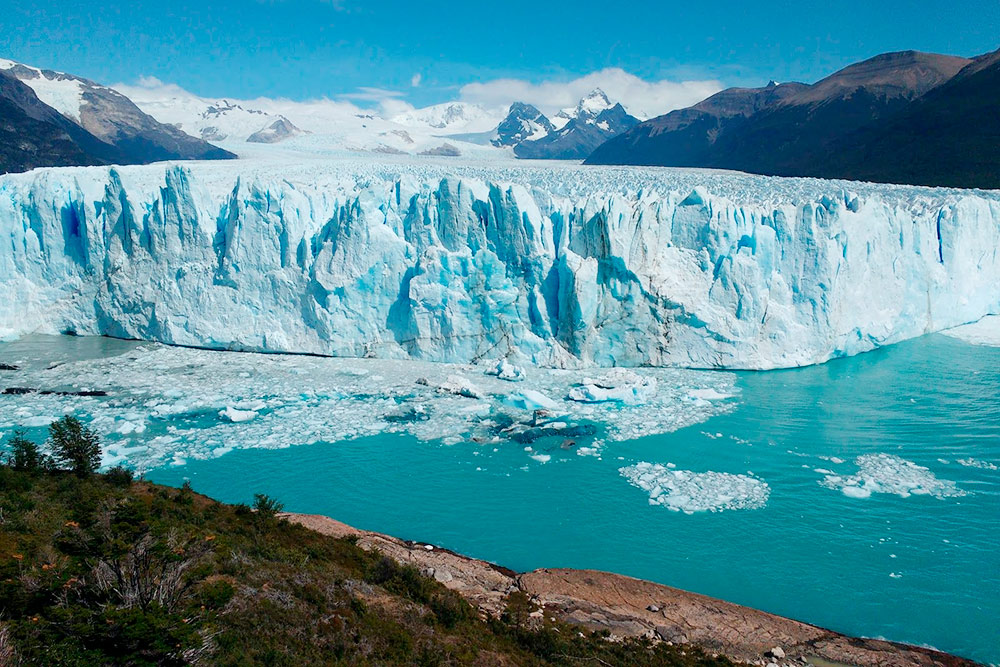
(469,262)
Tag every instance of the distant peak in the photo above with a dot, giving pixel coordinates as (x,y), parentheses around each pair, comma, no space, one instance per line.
(594,102)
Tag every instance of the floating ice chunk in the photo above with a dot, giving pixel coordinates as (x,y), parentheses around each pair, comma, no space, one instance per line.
(236,416)
(976,463)
(708,394)
(40,420)
(127,427)
(888,473)
(530,399)
(542,458)
(854,491)
(619,384)
(460,386)
(508,371)
(984,332)
(689,492)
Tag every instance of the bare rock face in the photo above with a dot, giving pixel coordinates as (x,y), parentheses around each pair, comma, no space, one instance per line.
(105,126)
(599,600)
(279,130)
(630,607)
(483,584)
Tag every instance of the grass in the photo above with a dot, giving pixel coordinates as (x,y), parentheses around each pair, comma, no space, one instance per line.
(101,570)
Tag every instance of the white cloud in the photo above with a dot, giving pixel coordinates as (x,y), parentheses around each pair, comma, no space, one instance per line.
(641,98)
(170,103)
(415,81)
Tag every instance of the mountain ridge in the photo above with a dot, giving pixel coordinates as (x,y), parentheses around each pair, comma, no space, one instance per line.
(795,129)
(105,126)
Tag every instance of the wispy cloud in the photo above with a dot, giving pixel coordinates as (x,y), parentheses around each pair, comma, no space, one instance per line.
(369,94)
(640,97)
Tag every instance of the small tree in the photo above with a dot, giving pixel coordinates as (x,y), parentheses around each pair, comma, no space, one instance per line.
(75,446)
(266,506)
(24,454)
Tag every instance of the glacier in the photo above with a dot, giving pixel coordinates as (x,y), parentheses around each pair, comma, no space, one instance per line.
(557,265)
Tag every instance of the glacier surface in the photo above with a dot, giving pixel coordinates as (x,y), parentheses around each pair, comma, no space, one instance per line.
(559,266)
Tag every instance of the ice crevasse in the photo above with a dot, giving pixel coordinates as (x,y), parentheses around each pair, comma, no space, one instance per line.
(632,268)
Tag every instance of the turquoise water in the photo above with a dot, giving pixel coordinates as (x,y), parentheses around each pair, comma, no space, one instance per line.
(922,568)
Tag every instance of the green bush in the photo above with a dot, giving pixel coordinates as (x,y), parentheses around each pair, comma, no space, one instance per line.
(24,454)
(75,446)
(120,476)
(266,507)
(217,594)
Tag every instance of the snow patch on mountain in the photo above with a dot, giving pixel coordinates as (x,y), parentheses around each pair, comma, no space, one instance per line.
(61,92)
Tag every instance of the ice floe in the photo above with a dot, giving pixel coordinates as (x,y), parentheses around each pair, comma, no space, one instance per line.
(166,404)
(976,463)
(689,492)
(618,384)
(508,371)
(888,473)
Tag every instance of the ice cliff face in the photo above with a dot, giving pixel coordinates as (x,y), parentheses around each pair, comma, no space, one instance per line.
(627,267)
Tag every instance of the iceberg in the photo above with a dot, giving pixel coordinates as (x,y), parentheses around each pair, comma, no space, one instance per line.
(559,266)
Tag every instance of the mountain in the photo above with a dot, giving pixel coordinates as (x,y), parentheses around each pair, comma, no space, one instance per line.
(279,130)
(33,134)
(950,136)
(215,119)
(523,122)
(576,132)
(448,117)
(130,136)
(788,129)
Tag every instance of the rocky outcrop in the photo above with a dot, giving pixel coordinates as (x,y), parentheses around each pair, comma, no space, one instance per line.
(628,607)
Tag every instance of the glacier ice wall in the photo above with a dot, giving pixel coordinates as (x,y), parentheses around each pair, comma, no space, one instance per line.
(565,267)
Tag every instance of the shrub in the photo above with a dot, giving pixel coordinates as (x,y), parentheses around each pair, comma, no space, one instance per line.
(75,446)
(119,476)
(216,594)
(266,507)
(24,454)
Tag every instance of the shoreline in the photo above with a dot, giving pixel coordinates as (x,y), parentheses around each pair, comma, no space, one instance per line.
(628,607)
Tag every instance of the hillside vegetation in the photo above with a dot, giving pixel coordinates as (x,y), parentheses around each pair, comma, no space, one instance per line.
(99,569)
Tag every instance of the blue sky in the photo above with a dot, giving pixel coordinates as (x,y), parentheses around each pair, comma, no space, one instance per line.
(304,49)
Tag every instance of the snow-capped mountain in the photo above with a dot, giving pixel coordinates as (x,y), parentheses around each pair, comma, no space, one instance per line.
(590,106)
(317,126)
(572,134)
(114,130)
(523,122)
(449,117)
(213,119)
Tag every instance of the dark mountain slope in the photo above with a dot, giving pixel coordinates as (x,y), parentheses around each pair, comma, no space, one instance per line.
(33,134)
(950,136)
(789,129)
(106,126)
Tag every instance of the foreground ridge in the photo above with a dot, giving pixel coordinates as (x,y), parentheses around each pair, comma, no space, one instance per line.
(633,608)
